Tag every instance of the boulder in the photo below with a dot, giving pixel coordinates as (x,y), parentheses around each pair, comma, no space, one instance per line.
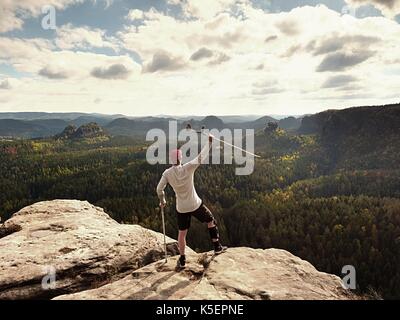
(76,240)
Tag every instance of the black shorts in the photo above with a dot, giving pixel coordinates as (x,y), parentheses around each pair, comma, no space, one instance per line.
(203,214)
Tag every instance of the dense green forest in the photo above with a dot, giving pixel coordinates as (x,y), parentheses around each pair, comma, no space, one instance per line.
(331,202)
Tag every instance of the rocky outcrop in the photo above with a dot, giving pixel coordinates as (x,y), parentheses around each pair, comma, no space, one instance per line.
(238,274)
(80,242)
(67,133)
(94,257)
(89,130)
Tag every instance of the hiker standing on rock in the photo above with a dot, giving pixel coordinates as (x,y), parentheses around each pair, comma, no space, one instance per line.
(188,203)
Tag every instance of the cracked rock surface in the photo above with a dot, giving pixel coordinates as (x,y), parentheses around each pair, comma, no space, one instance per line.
(80,242)
(239,273)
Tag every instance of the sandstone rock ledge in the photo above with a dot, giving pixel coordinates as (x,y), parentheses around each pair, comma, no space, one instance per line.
(80,241)
(96,258)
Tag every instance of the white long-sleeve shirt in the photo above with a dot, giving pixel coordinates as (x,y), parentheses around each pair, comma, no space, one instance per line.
(181,179)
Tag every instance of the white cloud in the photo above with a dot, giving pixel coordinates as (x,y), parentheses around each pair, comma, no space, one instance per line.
(202,53)
(135,14)
(241,60)
(5,84)
(113,72)
(182,37)
(340,61)
(40,57)
(12,12)
(70,37)
(206,9)
(339,81)
(54,73)
(25,55)
(320,40)
(391,8)
(162,61)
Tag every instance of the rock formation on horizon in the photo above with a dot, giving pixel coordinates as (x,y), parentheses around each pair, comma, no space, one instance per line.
(89,130)
(94,257)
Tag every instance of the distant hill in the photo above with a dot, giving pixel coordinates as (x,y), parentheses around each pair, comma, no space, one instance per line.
(102,121)
(42,124)
(363,137)
(134,127)
(290,123)
(140,126)
(212,122)
(30,129)
(371,120)
(257,124)
(39,115)
(225,119)
(55,115)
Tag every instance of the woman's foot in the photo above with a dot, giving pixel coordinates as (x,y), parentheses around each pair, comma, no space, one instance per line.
(218,248)
(181,262)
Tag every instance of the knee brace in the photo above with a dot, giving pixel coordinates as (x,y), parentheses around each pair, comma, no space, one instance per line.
(214,233)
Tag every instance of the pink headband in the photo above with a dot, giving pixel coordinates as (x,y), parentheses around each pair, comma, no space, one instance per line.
(175,156)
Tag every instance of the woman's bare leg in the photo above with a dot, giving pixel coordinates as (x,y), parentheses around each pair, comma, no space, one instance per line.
(182,241)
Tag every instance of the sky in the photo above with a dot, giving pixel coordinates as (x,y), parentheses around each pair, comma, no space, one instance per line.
(198,57)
